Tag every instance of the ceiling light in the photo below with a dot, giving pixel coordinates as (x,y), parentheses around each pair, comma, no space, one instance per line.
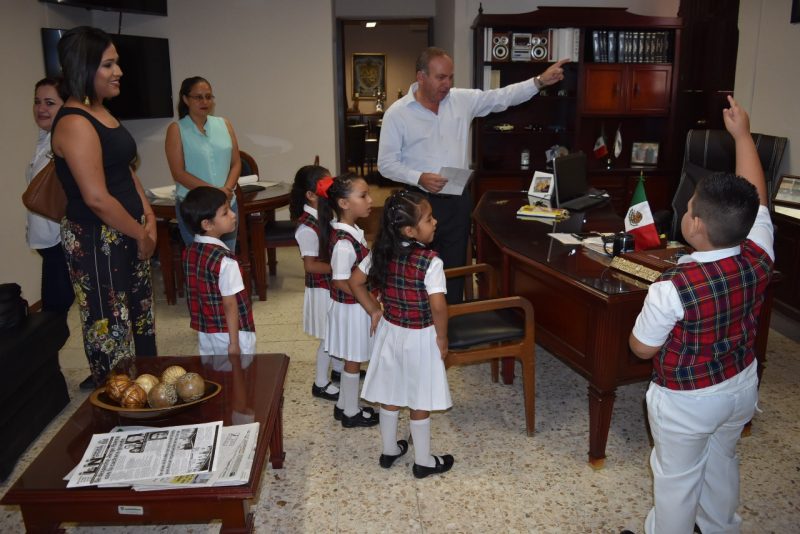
(370,24)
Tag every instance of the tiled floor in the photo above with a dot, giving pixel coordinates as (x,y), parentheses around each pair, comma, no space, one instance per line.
(502,481)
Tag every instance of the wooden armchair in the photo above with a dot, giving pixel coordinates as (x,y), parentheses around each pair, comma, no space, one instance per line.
(493,329)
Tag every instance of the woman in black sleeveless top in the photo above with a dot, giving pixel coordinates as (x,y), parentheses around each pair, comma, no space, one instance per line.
(109,232)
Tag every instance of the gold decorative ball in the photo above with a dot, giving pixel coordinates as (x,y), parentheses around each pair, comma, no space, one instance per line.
(162,396)
(190,386)
(146,381)
(172,373)
(115,386)
(134,396)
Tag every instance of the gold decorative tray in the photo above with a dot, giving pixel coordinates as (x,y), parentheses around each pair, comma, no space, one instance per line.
(101,400)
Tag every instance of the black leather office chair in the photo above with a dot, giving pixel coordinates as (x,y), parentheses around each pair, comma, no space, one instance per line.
(710,151)
(355,146)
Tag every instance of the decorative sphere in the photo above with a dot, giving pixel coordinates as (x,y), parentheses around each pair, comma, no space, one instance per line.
(115,386)
(146,381)
(190,386)
(162,396)
(172,373)
(134,396)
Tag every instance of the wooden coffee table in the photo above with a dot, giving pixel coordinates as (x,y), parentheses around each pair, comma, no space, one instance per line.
(252,390)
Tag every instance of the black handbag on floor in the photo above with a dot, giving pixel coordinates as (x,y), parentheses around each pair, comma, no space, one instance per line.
(13,308)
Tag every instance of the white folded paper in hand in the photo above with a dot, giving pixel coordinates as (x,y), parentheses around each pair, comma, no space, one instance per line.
(166,191)
(249,179)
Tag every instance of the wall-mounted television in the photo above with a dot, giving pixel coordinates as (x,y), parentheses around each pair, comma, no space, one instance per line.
(148,7)
(146,83)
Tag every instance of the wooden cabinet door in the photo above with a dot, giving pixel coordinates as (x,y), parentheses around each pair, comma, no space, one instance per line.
(649,90)
(604,89)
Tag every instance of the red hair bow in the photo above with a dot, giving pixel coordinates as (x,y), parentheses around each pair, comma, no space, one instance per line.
(323,185)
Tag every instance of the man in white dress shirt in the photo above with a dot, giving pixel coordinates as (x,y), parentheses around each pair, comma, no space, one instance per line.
(429,129)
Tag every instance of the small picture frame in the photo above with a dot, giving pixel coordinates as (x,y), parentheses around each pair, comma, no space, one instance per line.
(369,75)
(644,154)
(787,191)
(541,188)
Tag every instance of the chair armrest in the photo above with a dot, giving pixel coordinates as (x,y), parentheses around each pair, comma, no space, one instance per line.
(465,308)
(485,268)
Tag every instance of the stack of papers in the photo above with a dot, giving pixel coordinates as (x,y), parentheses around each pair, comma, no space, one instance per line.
(529,211)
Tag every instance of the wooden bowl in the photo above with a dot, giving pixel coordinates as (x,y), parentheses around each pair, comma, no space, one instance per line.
(101,400)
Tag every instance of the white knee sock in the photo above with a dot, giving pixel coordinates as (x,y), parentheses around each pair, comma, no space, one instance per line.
(388,424)
(421,434)
(349,390)
(337,364)
(323,362)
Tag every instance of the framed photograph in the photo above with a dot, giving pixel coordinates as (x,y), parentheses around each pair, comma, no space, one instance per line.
(369,75)
(541,188)
(787,192)
(644,154)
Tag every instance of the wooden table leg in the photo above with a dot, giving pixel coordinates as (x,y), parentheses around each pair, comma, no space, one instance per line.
(601,405)
(165,258)
(276,454)
(255,224)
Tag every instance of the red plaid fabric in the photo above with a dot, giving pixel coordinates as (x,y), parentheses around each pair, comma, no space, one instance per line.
(721,302)
(314,280)
(201,264)
(361,252)
(405,299)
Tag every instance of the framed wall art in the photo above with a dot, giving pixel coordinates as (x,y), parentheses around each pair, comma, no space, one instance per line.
(369,75)
(788,191)
(644,154)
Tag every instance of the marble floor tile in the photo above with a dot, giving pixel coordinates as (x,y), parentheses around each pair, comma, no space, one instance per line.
(502,480)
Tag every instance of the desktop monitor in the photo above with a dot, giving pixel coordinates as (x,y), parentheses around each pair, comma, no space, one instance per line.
(570,177)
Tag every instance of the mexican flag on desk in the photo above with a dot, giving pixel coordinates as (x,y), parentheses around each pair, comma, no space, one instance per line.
(639,220)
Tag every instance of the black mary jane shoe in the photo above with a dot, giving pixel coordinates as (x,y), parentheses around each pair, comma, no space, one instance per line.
(386,460)
(359,419)
(322,392)
(338,413)
(442,466)
(88,384)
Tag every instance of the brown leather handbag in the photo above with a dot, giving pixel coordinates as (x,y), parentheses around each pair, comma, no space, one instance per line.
(45,195)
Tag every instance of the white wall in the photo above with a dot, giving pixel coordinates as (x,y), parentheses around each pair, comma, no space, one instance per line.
(768,73)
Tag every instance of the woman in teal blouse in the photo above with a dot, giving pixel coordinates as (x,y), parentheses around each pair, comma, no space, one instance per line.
(202,150)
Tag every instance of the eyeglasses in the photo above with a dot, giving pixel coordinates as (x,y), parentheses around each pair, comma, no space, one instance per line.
(200,98)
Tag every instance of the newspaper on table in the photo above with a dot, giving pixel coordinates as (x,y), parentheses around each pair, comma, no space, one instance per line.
(134,455)
(237,450)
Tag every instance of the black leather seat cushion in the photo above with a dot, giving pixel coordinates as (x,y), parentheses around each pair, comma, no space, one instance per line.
(465,331)
(280,230)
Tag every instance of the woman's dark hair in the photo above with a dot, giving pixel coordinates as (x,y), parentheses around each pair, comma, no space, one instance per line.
(80,51)
(200,204)
(186,88)
(305,180)
(56,83)
(341,187)
(400,210)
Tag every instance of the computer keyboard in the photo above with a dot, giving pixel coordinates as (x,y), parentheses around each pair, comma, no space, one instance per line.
(583,203)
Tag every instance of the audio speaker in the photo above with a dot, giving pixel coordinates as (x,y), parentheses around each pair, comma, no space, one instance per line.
(500,47)
(539,47)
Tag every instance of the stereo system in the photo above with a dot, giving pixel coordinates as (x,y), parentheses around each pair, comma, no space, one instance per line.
(529,47)
(500,47)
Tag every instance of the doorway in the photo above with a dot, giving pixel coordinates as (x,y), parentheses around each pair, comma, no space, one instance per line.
(385,56)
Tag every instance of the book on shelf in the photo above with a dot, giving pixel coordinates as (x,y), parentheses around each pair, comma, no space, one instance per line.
(532,211)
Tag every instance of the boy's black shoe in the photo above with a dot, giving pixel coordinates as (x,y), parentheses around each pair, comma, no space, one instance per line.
(360,419)
(88,384)
(322,392)
(336,376)
(386,460)
(442,466)
(338,413)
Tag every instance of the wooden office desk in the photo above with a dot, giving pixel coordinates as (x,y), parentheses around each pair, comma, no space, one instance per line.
(257,209)
(585,310)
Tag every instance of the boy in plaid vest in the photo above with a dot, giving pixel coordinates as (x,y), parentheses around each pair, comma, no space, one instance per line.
(218,304)
(698,324)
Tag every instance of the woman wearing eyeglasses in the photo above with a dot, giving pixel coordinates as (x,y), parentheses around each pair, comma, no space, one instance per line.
(201,150)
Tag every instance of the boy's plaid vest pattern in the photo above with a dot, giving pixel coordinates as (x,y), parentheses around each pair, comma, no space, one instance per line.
(721,302)
(314,280)
(405,299)
(361,252)
(201,264)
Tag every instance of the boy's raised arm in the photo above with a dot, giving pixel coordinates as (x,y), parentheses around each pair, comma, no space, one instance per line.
(748,165)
